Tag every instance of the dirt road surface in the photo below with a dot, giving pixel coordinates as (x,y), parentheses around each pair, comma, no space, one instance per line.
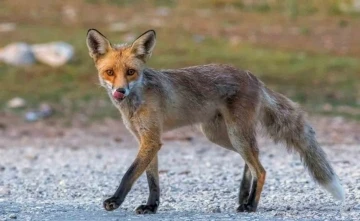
(57,174)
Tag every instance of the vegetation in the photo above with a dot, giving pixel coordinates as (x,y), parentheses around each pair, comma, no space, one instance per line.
(282,42)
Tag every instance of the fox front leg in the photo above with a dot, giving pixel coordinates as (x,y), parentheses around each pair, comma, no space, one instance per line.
(149,146)
(153,202)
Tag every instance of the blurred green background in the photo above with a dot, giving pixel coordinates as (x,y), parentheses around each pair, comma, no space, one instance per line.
(308,50)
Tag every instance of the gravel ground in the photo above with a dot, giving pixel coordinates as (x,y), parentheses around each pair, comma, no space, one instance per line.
(67,177)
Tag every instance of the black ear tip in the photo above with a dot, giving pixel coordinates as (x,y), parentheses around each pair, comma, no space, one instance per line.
(93,30)
(153,32)
(90,30)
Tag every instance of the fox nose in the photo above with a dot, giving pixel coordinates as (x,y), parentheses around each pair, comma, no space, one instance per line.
(121,90)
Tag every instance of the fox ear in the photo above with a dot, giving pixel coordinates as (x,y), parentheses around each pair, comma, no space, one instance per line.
(97,43)
(143,46)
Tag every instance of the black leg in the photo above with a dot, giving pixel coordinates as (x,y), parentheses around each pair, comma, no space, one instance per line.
(153,202)
(245,188)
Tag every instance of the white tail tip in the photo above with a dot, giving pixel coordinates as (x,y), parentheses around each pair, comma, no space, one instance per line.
(335,188)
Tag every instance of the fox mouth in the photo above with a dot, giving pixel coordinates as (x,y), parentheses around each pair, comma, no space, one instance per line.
(118,96)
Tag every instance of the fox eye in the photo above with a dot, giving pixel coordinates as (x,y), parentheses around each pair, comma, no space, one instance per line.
(110,72)
(130,72)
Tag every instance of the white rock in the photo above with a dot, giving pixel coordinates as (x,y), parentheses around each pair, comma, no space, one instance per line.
(16,102)
(54,53)
(7,27)
(17,54)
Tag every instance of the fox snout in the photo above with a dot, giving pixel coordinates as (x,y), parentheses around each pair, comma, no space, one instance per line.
(119,94)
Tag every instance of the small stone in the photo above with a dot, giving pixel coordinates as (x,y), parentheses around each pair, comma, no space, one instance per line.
(4,191)
(268,209)
(32,116)
(163,171)
(12,216)
(172,200)
(16,102)
(45,110)
(118,139)
(186,172)
(26,170)
(62,183)
(32,157)
(216,210)
(7,27)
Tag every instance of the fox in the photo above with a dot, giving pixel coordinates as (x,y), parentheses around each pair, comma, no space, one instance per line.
(225,102)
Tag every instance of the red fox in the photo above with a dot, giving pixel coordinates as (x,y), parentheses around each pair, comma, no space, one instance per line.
(227,104)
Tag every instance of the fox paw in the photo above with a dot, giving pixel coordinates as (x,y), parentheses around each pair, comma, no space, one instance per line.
(146,209)
(111,204)
(245,208)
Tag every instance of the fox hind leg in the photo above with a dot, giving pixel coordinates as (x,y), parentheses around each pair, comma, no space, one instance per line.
(243,138)
(250,189)
(216,131)
(248,150)
(245,188)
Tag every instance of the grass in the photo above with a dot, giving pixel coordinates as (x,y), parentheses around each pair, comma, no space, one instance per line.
(313,79)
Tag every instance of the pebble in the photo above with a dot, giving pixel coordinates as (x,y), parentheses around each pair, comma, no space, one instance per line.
(16,102)
(17,54)
(12,216)
(44,111)
(7,27)
(216,210)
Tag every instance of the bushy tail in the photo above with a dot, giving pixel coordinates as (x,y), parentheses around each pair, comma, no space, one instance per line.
(284,122)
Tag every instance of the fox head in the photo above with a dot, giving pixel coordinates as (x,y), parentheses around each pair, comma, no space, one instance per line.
(120,67)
